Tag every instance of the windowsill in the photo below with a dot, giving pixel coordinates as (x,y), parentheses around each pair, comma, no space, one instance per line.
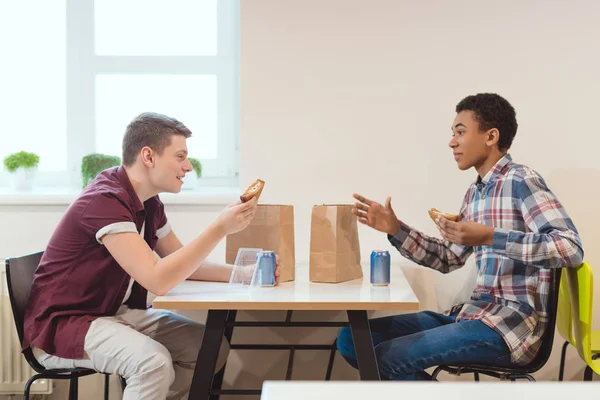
(65,196)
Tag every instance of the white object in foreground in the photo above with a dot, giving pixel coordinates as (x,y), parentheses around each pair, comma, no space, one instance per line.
(359,390)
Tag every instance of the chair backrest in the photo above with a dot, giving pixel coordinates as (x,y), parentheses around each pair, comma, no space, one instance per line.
(564,314)
(581,292)
(548,338)
(19,276)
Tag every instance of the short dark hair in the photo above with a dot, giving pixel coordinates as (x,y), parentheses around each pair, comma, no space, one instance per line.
(492,111)
(153,130)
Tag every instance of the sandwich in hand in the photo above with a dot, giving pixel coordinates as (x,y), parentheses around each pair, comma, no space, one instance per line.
(434,213)
(253,190)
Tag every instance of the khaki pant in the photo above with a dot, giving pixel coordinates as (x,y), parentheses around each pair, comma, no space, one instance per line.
(154,350)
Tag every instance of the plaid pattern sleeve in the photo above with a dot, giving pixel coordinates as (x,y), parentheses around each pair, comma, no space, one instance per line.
(431,252)
(552,240)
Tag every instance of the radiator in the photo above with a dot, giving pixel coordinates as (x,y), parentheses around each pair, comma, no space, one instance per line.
(14,370)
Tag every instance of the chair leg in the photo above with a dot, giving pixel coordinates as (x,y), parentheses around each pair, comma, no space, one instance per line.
(331,360)
(28,385)
(73,388)
(123,383)
(106,385)
(588,374)
(514,377)
(563,353)
(435,373)
(290,367)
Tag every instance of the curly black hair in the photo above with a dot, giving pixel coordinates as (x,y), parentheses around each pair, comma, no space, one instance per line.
(492,111)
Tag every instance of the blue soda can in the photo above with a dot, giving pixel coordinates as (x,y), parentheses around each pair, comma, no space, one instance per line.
(380,267)
(265,264)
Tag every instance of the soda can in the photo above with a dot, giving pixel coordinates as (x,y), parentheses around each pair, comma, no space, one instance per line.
(265,264)
(380,267)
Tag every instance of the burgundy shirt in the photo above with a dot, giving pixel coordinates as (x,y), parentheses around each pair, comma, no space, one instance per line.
(78,280)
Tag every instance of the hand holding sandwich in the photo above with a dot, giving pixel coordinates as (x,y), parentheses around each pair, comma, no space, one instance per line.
(465,233)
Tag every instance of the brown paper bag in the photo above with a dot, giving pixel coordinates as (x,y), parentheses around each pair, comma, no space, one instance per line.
(271,229)
(334,247)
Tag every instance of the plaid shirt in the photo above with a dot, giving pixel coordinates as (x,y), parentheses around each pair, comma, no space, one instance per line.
(532,232)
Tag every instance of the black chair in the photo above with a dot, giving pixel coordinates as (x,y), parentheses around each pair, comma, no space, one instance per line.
(517,371)
(19,274)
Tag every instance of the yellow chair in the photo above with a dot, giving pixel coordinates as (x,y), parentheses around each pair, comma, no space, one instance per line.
(574,317)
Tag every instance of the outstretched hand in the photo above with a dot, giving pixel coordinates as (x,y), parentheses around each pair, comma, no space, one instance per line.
(375,215)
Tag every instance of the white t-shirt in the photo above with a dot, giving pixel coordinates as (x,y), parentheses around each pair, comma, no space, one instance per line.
(128,292)
(119,227)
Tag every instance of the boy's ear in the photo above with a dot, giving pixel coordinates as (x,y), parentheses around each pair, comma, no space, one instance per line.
(493,136)
(147,156)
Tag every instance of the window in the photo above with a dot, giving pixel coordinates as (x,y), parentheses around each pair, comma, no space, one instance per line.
(79,70)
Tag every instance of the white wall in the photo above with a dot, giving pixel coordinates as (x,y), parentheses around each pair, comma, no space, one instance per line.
(343,96)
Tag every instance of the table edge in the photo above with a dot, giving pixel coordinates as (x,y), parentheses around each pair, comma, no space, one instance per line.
(279,306)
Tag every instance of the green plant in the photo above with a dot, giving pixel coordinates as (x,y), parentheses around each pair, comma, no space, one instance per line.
(197,165)
(21,159)
(93,164)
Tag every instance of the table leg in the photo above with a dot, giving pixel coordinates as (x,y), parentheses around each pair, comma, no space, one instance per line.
(363,344)
(217,383)
(208,354)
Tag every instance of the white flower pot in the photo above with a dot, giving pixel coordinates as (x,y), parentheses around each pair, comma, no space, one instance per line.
(190,181)
(23,179)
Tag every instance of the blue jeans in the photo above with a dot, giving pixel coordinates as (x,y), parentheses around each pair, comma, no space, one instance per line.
(406,345)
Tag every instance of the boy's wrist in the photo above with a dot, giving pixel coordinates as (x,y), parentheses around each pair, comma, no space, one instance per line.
(490,236)
(395,226)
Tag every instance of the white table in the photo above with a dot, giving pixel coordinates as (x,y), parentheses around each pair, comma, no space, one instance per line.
(357,390)
(355,297)
(295,295)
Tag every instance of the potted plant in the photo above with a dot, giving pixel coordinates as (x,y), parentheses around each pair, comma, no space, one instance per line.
(93,164)
(191,179)
(22,167)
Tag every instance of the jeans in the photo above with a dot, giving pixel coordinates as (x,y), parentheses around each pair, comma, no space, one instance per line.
(406,345)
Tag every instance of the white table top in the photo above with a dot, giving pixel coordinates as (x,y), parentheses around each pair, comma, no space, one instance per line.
(360,390)
(296,295)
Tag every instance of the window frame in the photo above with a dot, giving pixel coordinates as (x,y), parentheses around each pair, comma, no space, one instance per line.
(83,65)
